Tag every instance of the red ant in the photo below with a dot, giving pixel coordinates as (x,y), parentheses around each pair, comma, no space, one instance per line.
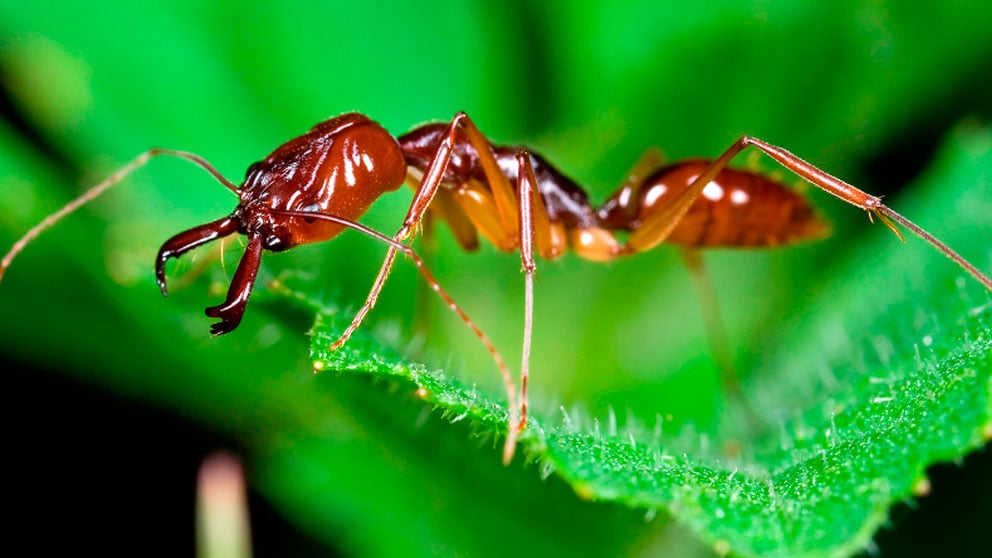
(313,187)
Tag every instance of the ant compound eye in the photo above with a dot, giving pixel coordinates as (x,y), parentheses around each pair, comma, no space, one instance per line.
(253,168)
(312,208)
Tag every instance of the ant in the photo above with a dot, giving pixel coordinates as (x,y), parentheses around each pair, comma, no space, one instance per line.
(315,186)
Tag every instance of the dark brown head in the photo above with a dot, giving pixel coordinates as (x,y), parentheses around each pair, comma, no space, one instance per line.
(338,168)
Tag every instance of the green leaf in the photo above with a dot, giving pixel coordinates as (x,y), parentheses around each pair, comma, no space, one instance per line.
(912,390)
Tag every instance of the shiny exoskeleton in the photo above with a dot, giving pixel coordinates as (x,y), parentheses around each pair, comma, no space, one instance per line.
(315,186)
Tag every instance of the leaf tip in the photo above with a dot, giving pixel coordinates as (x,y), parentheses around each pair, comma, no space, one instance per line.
(921,487)
(721,547)
(584,492)
(319,366)
(987,432)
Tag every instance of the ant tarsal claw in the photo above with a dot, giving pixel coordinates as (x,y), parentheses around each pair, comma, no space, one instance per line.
(220,328)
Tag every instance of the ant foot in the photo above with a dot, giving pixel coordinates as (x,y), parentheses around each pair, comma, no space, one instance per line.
(340,342)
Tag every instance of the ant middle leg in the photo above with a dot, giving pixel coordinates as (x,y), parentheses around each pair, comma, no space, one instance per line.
(535,231)
(716,334)
(538,234)
(716,331)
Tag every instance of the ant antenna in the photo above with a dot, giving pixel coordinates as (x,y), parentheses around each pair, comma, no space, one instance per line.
(95,191)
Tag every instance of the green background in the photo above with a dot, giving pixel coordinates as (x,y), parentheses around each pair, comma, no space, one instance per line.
(865,90)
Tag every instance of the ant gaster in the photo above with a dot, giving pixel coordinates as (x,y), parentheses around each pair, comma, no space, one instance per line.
(314,186)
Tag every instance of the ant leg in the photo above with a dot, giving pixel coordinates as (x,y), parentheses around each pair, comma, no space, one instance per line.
(872,204)
(716,333)
(477,206)
(526,193)
(424,196)
(533,224)
(535,231)
(502,192)
(421,201)
(658,227)
(370,299)
(620,207)
(715,330)
(95,191)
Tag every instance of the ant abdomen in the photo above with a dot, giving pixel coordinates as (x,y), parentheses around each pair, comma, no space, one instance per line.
(737,209)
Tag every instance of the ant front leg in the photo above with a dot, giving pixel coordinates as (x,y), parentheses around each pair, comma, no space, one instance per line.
(505,202)
(425,193)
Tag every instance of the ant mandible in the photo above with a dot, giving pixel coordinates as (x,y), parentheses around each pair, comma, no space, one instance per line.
(314,186)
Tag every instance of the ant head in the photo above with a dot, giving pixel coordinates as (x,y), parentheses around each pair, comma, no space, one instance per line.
(336,169)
